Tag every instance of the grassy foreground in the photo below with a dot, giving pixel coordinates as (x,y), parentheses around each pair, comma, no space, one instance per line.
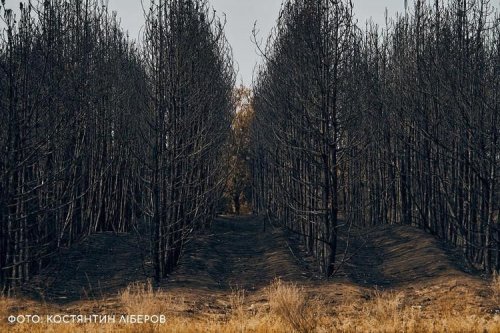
(282,307)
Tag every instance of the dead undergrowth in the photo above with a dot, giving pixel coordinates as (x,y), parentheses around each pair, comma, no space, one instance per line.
(283,307)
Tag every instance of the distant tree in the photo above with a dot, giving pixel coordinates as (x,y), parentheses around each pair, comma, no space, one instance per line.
(238,187)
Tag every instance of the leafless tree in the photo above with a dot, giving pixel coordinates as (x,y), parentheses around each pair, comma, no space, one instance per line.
(398,124)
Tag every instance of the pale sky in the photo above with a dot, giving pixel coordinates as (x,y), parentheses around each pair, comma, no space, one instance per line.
(241,16)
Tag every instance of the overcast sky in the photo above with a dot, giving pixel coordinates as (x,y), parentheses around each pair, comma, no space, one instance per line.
(241,16)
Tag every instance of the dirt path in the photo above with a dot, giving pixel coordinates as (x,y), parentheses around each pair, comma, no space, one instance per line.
(237,254)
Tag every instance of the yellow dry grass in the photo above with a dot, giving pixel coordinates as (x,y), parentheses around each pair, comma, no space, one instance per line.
(289,303)
(495,288)
(283,307)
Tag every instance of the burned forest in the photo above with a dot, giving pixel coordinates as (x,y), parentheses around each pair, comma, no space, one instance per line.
(99,134)
(354,186)
(391,125)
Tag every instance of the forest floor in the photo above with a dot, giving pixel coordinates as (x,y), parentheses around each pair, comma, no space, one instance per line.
(240,277)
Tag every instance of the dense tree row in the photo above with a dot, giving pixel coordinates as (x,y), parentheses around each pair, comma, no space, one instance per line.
(188,123)
(68,76)
(371,126)
(96,135)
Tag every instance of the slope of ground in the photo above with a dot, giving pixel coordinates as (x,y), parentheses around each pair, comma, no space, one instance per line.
(395,255)
(100,266)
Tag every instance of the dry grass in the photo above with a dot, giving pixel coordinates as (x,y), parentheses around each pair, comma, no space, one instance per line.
(436,309)
(495,288)
(237,302)
(289,303)
(139,297)
(284,307)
